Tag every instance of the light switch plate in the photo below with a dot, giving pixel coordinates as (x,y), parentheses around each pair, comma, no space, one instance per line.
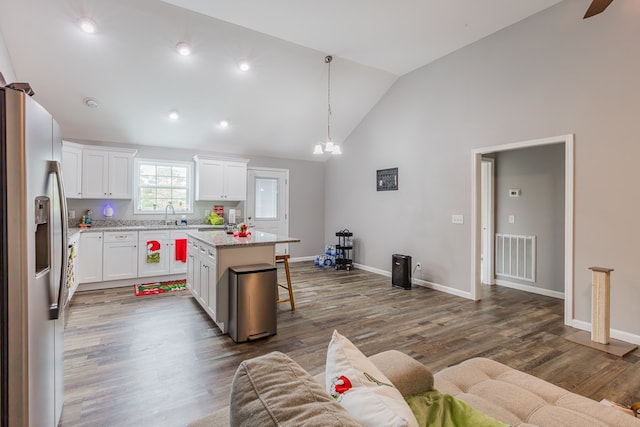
(457,219)
(512,219)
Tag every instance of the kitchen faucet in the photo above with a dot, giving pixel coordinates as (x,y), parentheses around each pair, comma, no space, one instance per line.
(166,210)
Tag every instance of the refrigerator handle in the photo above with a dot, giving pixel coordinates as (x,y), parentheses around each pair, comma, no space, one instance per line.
(57,304)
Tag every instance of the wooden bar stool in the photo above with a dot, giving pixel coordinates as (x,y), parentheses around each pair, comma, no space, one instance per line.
(285,260)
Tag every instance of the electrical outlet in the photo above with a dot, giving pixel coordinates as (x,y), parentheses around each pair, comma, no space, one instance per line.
(418,266)
(72,214)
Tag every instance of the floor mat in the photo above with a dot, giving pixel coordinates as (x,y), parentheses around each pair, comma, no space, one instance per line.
(160,287)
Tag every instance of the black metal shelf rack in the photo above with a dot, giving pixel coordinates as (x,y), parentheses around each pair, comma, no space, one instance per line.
(344,249)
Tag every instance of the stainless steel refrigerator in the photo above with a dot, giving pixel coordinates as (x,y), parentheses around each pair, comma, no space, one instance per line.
(33,257)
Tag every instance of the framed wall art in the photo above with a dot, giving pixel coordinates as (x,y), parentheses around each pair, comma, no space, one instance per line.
(387,179)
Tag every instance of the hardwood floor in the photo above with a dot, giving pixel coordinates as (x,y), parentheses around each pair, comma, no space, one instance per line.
(160,361)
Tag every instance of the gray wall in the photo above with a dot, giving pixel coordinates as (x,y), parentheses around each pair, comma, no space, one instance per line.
(306,196)
(6,68)
(552,74)
(539,211)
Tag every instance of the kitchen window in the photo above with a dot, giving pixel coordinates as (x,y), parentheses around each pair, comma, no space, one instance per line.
(162,183)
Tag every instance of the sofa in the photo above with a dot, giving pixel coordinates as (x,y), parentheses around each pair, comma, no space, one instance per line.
(273,390)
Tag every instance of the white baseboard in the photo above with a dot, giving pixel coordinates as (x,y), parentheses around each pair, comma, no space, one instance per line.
(302,258)
(528,288)
(619,335)
(372,270)
(419,282)
(442,288)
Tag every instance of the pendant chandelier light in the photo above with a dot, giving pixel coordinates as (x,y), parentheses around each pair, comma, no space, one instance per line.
(329,146)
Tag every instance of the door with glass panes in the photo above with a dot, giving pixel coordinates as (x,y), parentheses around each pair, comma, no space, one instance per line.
(268,202)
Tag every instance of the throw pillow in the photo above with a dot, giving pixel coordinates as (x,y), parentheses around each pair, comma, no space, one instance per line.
(354,381)
(273,390)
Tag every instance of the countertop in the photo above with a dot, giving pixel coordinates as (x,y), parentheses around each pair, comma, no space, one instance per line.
(191,227)
(221,239)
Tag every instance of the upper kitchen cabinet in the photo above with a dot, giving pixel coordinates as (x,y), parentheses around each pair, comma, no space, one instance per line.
(72,169)
(107,173)
(221,179)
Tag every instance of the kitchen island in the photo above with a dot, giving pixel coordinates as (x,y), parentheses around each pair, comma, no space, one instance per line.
(211,253)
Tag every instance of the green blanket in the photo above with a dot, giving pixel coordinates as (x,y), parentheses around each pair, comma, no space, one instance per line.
(435,409)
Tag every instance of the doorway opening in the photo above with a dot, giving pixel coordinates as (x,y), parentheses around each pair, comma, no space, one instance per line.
(477,214)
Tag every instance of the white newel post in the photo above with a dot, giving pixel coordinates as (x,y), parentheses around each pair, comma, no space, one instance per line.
(600,304)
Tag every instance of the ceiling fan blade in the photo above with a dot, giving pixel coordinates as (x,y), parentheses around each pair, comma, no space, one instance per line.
(596,7)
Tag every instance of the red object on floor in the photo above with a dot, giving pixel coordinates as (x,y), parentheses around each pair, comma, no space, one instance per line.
(159,287)
(181,250)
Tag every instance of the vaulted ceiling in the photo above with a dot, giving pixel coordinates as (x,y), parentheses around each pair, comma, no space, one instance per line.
(278,108)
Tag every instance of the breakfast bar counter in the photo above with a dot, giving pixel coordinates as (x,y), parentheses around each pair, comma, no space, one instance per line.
(221,239)
(212,253)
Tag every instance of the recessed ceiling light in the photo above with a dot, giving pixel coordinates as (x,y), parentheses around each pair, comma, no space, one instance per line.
(244,66)
(224,124)
(173,115)
(88,25)
(183,49)
(90,102)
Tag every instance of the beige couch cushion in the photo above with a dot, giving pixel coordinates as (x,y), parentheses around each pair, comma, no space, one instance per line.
(408,375)
(273,390)
(520,399)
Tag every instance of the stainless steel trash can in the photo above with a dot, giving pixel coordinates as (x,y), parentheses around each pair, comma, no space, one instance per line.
(401,271)
(252,302)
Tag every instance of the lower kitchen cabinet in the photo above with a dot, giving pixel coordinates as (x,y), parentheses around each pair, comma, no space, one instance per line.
(154,253)
(178,249)
(72,264)
(90,258)
(193,269)
(204,283)
(159,253)
(203,297)
(208,279)
(120,255)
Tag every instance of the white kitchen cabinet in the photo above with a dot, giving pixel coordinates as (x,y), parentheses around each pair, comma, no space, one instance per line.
(235,181)
(206,283)
(176,266)
(220,179)
(96,173)
(193,268)
(120,255)
(208,278)
(114,255)
(107,174)
(72,169)
(203,297)
(154,253)
(72,264)
(90,258)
